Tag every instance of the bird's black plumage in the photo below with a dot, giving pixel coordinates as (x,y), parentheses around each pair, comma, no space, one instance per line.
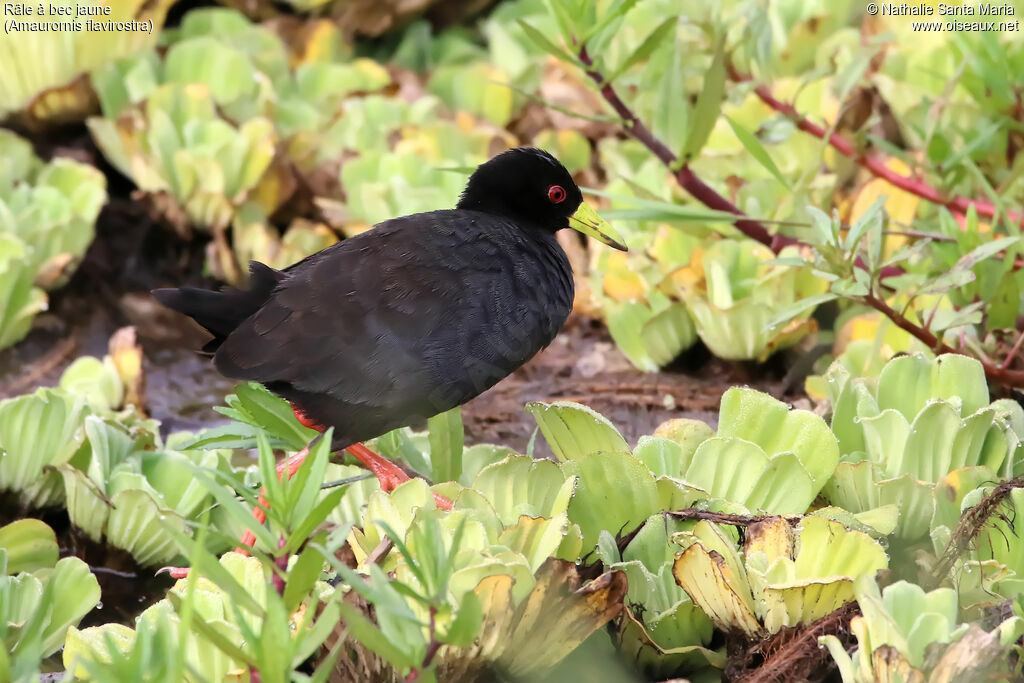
(409,319)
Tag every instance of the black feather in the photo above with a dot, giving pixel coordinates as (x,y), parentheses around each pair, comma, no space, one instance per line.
(409,319)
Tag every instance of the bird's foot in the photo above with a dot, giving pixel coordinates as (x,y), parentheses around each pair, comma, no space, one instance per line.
(388,473)
(173,572)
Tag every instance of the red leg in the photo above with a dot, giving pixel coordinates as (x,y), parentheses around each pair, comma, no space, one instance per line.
(388,473)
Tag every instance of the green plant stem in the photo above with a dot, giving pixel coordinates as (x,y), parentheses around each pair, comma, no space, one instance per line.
(874,162)
(689,180)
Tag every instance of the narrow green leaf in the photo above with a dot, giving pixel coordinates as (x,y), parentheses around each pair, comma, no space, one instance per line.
(237,510)
(543,43)
(757,150)
(663,31)
(447,439)
(301,578)
(313,638)
(709,105)
(311,521)
(268,474)
(303,489)
(466,624)
(372,637)
(272,414)
(670,120)
(869,219)
(798,307)
(565,19)
(219,640)
(678,212)
(399,543)
(617,9)
(397,445)
(207,566)
(987,250)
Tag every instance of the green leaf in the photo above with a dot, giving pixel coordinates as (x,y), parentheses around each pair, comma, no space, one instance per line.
(709,105)
(447,438)
(207,565)
(315,517)
(235,509)
(543,43)
(574,430)
(616,492)
(663,31)
(303,488)
(798,307)
(253,404)
(301,578)
(659,210)
(987,250)
(671,116)
(757,150)
(397,445)
(268,474)
(212,633)
(373,638)
(30,545)
(618,9)
(869,219)
(466,625)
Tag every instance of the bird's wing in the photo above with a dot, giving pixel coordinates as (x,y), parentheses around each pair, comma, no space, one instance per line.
(364,321)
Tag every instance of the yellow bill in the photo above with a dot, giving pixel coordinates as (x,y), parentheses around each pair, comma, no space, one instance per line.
(586,221)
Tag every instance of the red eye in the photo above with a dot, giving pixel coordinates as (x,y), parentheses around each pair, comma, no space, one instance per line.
(556,193)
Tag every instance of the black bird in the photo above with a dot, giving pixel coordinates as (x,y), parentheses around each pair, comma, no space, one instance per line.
(413,317)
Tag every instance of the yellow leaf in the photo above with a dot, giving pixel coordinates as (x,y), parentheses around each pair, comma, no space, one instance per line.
(126,353)
(620,282)
(899,204)
(773,537)
(710,582)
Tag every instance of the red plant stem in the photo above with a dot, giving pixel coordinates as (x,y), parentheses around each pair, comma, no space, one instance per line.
(997,373)
(875,162)
(432,649)
(689,180)
(757,231)
(281,563)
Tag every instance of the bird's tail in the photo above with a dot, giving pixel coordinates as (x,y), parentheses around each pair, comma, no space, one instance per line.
(221,312)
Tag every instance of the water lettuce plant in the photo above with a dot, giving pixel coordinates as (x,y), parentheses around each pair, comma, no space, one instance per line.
(735,294)
(925,422)
(662,631)
(764,457)
(904,633)
(44,75)
(781,576)
(118,480)
(47,217)
(41,596)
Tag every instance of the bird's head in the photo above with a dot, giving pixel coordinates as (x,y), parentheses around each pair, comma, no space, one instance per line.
(529,184)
